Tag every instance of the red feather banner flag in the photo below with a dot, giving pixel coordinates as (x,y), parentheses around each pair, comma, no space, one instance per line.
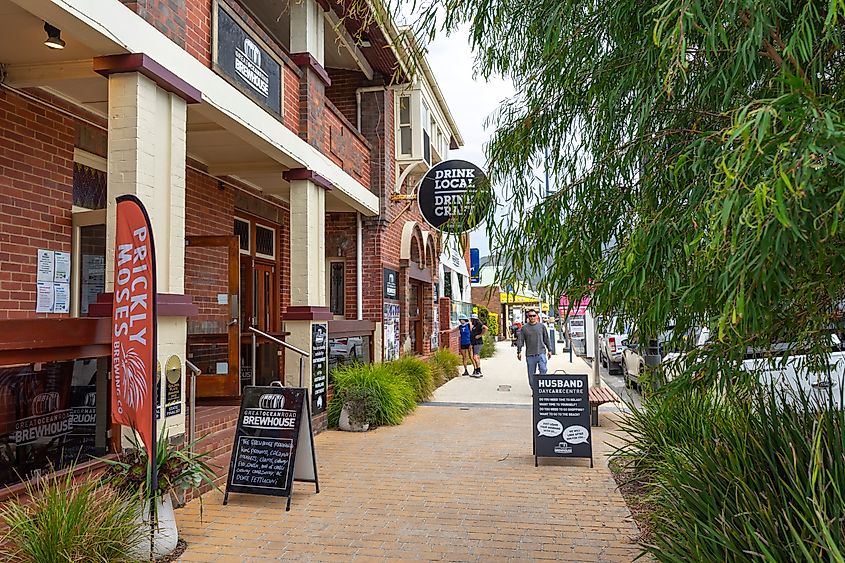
(134,323)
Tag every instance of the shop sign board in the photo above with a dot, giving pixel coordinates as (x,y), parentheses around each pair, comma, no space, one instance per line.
(319,365)
(272,443)
(561,407)
(391,284)
(173,386)
(453,196)
(245,60)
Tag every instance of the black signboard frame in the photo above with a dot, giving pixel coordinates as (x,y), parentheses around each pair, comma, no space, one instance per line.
(561,412)
(228,28)
(267,404)
(319,366)
(453,196)
(388,294)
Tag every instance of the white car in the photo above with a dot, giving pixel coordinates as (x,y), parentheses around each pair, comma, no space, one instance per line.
(792,376)
(611,346)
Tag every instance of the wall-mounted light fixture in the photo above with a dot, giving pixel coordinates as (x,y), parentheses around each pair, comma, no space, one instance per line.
(54,37)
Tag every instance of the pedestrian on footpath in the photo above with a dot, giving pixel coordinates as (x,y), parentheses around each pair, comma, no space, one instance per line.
(477,331)
(534,337)
(464,332)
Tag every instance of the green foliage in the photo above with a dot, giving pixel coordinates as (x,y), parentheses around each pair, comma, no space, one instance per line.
(493,325)
(735,478)
(418,373)
(444,365)
(698,154)
(483,314)
(360,403)
(488,349)
(179,468)
(394,395)
(65,521)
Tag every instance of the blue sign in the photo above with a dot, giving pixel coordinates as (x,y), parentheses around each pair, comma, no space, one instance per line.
(474,266)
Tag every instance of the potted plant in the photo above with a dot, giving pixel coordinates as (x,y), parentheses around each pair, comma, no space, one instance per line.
(179,470)
(359,407)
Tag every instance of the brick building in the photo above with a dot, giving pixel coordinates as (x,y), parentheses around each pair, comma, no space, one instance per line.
(276,148)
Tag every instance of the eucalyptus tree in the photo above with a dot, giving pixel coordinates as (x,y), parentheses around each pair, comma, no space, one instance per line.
(700,145)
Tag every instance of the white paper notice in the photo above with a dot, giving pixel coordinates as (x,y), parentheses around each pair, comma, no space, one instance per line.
(44,302)
(45,265)
(62,269)
(61,298)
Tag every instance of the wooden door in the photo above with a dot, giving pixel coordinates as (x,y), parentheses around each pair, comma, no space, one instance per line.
(211,383)
(415,325)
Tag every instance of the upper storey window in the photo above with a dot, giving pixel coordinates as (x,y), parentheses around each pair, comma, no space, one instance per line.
(419,136)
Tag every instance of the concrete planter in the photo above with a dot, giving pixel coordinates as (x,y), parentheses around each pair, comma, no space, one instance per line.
(344,424)
(165,536)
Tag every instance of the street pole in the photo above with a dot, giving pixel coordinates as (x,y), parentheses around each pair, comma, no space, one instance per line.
(596,367)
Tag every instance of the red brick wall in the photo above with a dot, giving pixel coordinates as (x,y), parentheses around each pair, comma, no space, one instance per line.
(209,211)
(198,31)
(167,16)
(342,91)
(291,100)
(36,195)
(345,146)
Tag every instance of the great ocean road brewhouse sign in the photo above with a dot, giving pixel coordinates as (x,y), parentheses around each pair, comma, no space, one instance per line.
(274,443)
(244,60)
(453,196)
(562,416)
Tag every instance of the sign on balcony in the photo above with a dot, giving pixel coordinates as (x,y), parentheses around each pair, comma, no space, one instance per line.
(244,60)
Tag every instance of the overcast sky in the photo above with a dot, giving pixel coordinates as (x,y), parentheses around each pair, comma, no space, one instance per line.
(471,102)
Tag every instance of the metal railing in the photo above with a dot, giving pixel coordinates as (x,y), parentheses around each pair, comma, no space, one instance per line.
(256,333)
(195,371)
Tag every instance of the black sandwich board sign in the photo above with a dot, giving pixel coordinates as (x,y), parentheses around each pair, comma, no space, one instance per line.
(272,444)
(562,416)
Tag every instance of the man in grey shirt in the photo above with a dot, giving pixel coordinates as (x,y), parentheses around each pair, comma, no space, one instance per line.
(535,338)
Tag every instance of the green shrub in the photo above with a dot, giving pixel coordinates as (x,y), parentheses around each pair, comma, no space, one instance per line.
(742,478)
(444,364)
(418,373)
(488,348)
(395,397)
(66,521)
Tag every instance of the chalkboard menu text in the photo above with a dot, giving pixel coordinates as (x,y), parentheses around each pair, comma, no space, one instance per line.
(274,422)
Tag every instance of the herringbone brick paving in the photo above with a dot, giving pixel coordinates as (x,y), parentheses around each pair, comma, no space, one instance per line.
(449,484)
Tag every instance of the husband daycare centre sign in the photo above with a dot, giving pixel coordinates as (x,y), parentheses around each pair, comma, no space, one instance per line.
(450,195)
(562,416)
(274,426)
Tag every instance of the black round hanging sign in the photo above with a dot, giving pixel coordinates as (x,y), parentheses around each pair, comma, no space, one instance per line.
(453,196)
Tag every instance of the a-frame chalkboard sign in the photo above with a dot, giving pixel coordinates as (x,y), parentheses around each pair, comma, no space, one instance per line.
(272,444)
(562,416)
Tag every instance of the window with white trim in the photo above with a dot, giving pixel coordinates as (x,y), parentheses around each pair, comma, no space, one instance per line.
(405,137)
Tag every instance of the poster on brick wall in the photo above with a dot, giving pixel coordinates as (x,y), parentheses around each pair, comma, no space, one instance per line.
(391,331)
(435,328)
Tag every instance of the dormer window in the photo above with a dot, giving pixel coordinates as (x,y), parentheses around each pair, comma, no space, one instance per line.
(417,132)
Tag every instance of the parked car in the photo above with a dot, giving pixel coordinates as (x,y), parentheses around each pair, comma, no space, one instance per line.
(344,350)
(793,375)
(610,344)
(636,355)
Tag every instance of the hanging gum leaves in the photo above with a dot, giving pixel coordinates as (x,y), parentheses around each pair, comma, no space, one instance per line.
(697,148)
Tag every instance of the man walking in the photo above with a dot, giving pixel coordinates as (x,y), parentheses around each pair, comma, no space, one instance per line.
(535,338)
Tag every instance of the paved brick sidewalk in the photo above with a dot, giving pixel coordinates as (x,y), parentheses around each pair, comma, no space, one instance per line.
(448,484)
